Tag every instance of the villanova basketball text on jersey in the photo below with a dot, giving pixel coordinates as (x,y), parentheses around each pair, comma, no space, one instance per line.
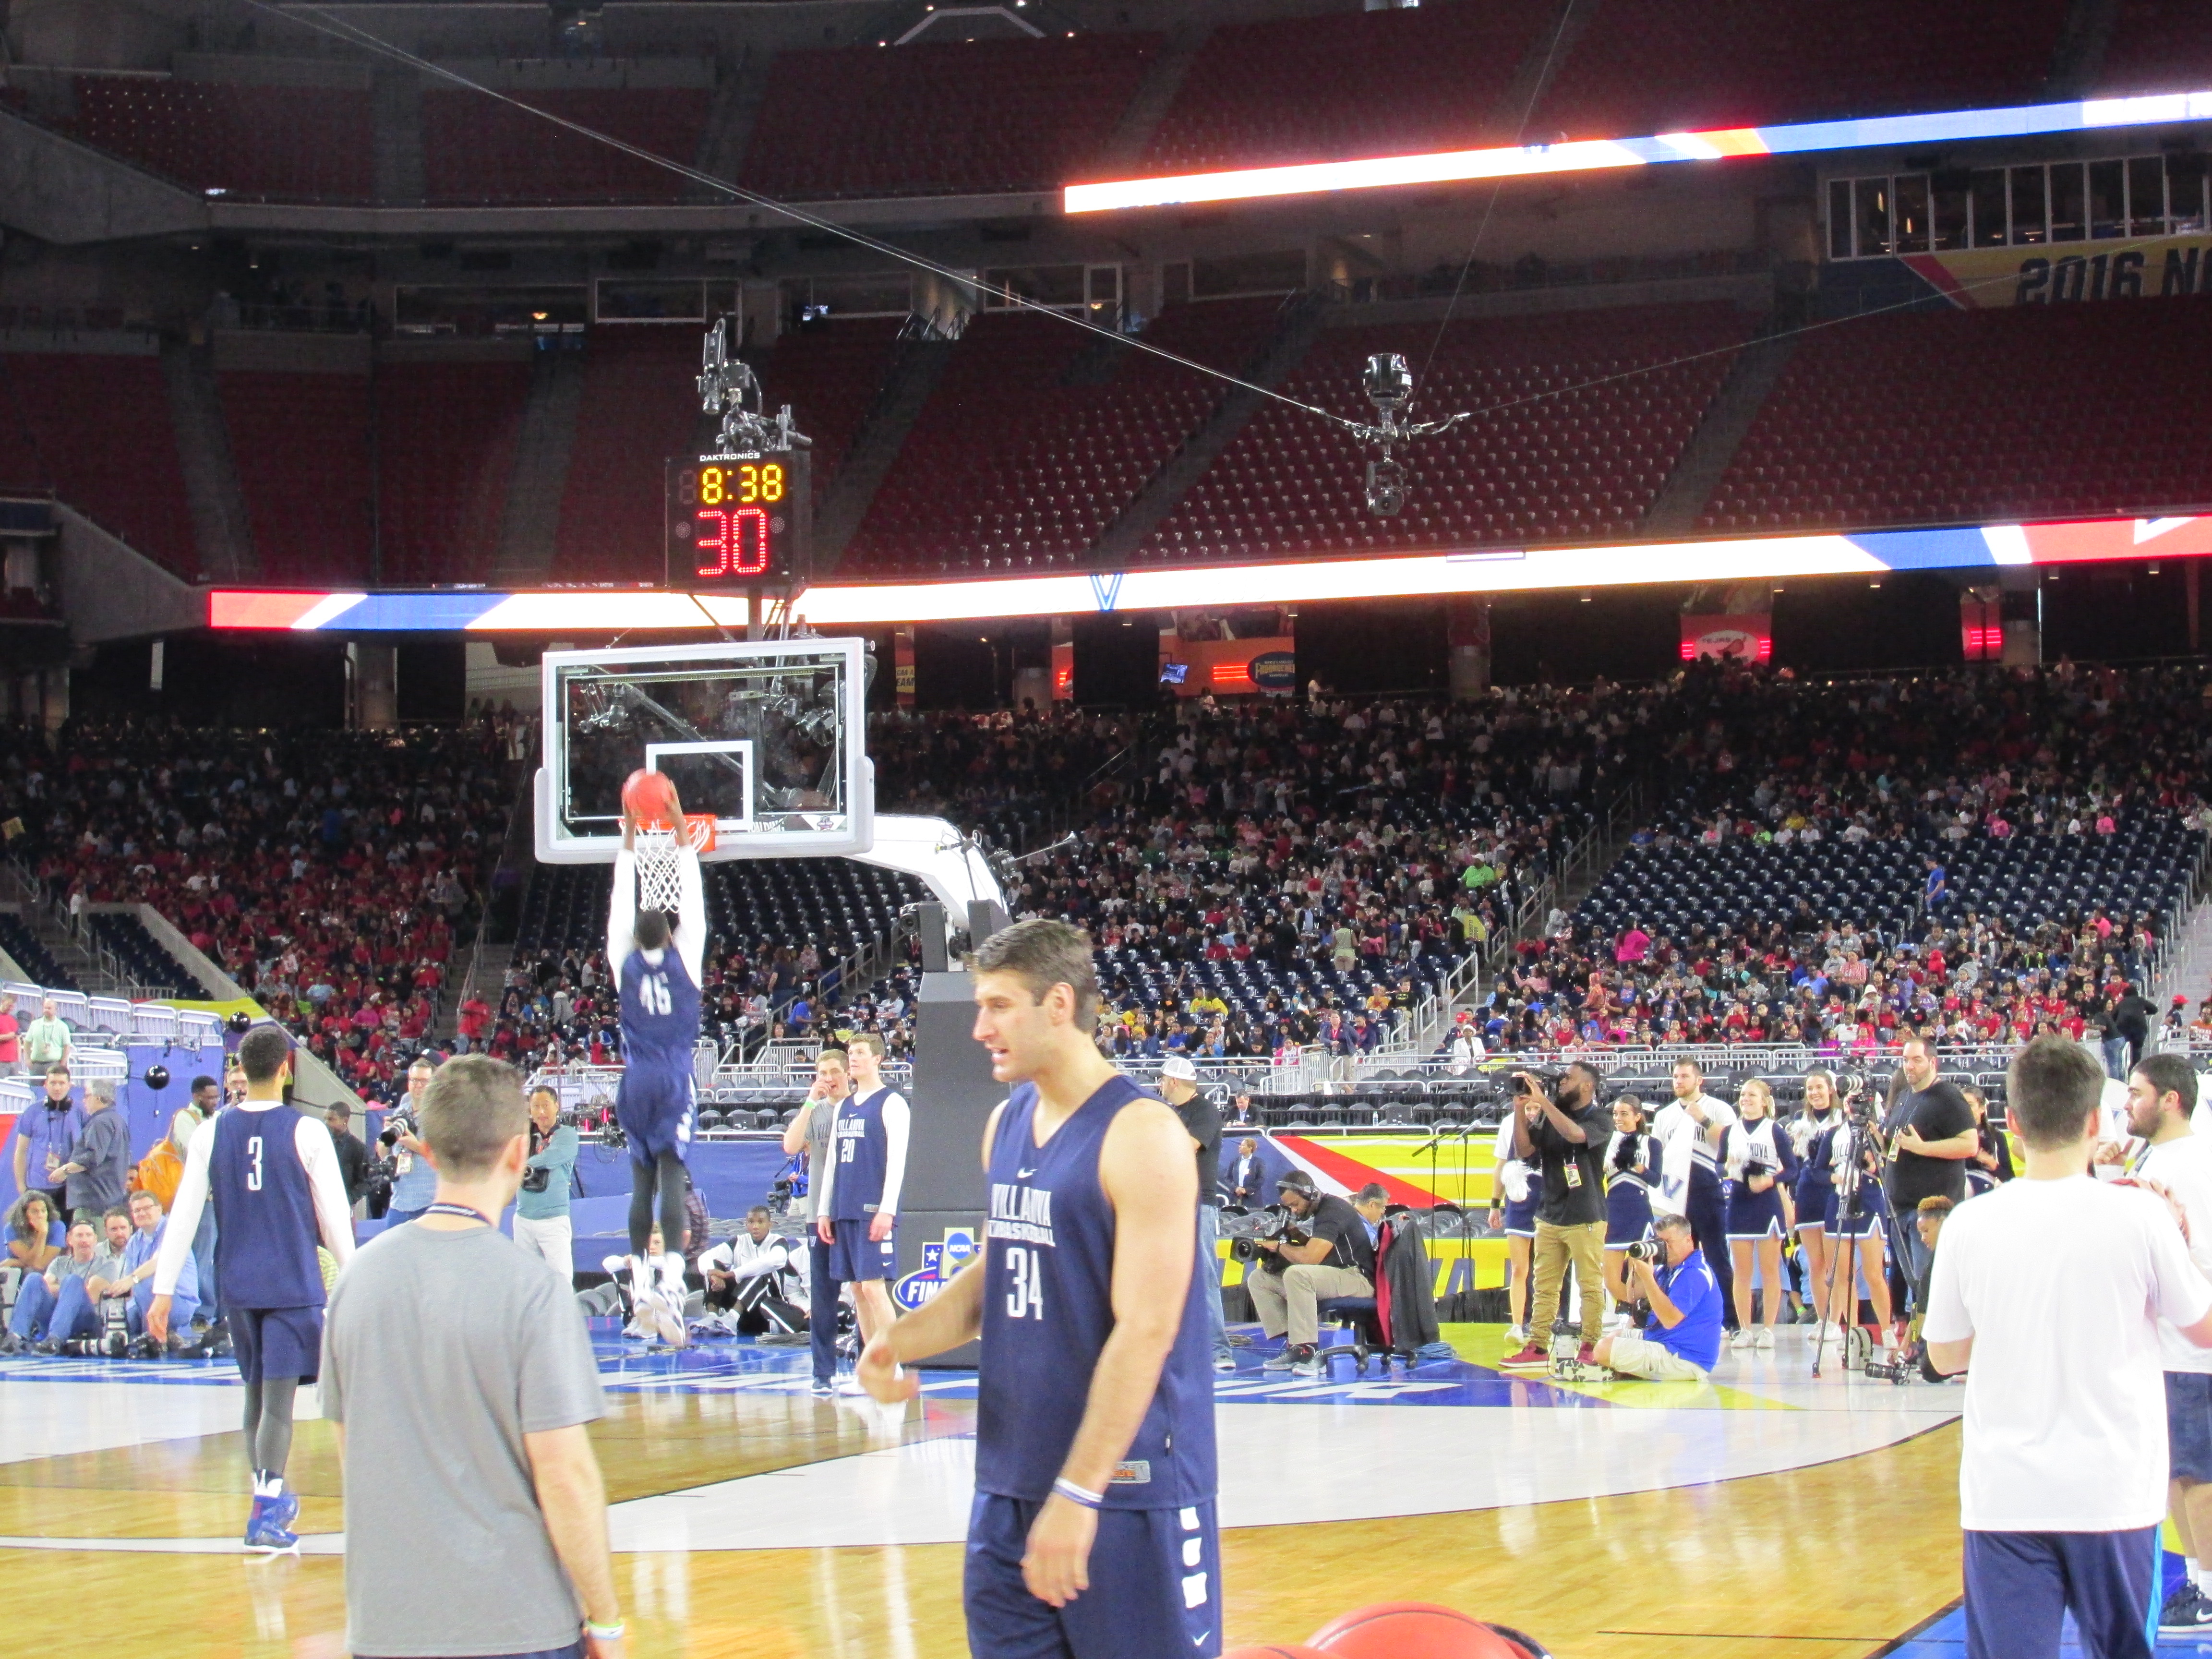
(1021,1213)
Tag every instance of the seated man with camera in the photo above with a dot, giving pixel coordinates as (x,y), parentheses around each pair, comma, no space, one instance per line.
(1684,1337)
(1325,1252)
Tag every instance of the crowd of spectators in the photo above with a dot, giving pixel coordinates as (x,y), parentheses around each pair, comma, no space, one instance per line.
(1756,757)
(1357,832)
(331,874)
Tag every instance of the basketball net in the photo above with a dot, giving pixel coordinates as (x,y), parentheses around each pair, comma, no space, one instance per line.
(655,847)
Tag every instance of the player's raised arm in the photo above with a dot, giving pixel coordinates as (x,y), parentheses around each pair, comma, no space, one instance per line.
(690,929)
(621,908)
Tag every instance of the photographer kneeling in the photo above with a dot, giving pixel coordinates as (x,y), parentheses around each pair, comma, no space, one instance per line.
(1336,1258)
(1684,1337)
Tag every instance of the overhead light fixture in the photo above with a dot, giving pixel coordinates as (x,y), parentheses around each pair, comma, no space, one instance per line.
(1582,155)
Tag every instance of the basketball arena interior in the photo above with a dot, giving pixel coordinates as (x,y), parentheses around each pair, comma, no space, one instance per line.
(1453,537)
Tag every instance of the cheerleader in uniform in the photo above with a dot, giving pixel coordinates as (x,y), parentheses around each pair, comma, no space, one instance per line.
(1815,1186)
(1513,1195)
(1632,1164)
(1855,1248)
(1762,1167)
(1993,1163)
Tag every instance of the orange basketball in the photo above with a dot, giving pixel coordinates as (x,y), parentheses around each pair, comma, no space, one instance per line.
(649,797)
(1275,1650)
(1410,1629)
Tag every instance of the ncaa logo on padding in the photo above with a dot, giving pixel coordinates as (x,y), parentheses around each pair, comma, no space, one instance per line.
(939,1261)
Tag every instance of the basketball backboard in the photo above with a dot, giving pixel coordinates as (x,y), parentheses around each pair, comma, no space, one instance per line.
(767,736)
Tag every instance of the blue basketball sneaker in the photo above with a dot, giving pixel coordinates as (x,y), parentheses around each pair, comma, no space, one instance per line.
(269,1526)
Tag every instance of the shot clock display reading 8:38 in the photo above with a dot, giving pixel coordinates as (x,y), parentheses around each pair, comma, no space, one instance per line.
(738,520)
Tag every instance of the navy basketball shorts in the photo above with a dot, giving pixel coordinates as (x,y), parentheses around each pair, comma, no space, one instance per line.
(654,1108)
(2189,1425)
(855,1258)
(1155,1587)
(277,1342)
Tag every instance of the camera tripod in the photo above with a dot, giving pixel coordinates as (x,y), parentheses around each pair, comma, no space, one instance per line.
(1858,1347)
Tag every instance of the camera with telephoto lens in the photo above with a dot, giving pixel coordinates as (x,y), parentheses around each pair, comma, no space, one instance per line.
(113,1341)
(1274,1223)
(1649,1250)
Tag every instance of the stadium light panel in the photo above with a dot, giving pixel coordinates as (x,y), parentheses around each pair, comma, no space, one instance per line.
(1872,555)
(1582,156)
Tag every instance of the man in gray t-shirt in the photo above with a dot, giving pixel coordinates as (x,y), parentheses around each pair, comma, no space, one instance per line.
(459,1373)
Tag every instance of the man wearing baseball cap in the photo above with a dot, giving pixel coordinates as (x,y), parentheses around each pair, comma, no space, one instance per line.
(1201,1120)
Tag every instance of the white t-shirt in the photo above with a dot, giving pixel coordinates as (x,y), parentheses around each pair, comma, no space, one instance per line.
(2184,1168)
(2060,1284)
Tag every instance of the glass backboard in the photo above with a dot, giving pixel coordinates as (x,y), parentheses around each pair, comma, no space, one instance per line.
(767,735)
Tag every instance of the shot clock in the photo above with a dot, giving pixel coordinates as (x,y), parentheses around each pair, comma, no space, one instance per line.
(738,520)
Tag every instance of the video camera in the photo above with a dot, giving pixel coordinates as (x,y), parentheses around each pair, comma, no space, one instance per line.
(1550,1080)
(1274,1223)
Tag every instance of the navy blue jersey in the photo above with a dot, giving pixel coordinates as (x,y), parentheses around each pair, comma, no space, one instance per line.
(265,1211)
(659,1012)
(1047,1310)
(861,1147)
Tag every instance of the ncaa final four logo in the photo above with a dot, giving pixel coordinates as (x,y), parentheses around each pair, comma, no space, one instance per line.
(939,1261)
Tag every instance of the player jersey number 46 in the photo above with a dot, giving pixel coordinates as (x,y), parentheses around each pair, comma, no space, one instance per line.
(652,991)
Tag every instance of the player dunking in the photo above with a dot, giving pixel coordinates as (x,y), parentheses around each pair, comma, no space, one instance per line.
(656,967)
(272,1175)
(1092,1534)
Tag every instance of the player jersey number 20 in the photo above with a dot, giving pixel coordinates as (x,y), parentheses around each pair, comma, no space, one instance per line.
(652,991)
(1025,1296)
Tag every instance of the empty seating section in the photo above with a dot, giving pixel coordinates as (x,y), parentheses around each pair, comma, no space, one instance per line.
(94,429)
(1667,890)
(1577,446)
(22,947)
(1637,68)
(477,149)
(296,142)
(300,445)
(1358,83)
(836,904)
(1968,416)
(639,409)
(445,450)
(1010,469)
(143,958)
(830,373)
(2157,45)
(972,117)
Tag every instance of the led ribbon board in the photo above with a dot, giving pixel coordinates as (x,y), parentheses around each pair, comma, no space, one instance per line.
(1583,155)
(856,604)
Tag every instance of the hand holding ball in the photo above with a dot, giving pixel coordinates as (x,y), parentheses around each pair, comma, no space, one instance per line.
(649,798)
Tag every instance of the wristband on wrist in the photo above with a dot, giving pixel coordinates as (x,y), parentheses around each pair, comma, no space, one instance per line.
(1075,1494)
(603,1632)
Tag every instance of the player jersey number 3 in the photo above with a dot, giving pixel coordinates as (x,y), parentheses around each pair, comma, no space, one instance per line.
(254,1171)
(1025,1295)
(652,991)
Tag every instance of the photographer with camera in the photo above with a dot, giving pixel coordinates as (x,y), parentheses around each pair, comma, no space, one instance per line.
(1327,1253)
(1931,1133)
(1566,1141)
(1684,1337)
(542,1223)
